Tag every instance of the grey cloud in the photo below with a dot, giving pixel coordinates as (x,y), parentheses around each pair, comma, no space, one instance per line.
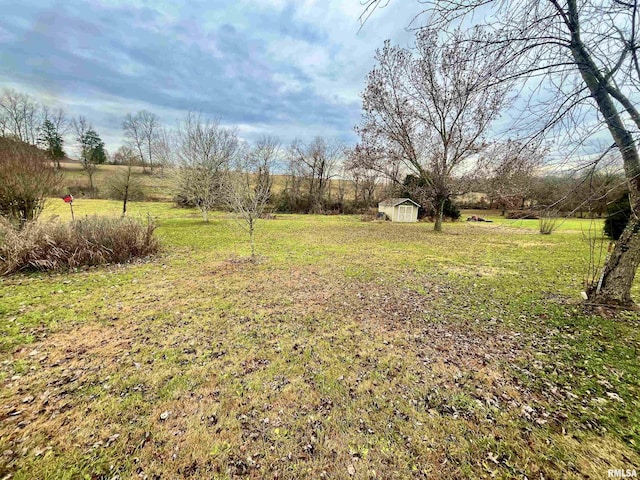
(141,56)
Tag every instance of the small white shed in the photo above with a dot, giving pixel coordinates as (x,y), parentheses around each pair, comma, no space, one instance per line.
(400,209)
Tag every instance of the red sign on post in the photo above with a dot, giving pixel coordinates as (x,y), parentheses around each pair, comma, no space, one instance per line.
(69,199)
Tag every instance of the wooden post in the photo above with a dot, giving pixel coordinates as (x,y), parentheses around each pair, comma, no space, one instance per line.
(69,199)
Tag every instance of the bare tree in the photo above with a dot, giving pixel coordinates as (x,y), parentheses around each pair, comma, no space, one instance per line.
(509,170)
(141,133)
(341,181)
(315,163)
(431,109)
(19,116)
(248,184)
(293,188)
(58,118)
(162,149)
(123,184)
(364,175)
(587,51)
(81,126)
(204,150)
(90,148)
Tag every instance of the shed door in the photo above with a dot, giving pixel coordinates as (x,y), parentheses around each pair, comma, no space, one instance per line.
(404,213)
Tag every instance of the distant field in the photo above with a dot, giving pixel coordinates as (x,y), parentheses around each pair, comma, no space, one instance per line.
(160,186)
(351,349)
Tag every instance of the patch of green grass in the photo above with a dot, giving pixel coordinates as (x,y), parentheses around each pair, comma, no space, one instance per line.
(348,349)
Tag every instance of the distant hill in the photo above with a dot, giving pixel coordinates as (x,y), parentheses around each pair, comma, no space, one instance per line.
(10,141)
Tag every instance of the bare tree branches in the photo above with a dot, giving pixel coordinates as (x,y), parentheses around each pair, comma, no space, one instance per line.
(509,169)
(142,132)
(431,109)
(19,116)
(247,186)
(204,150)
(82,127)
(123,184)
(314,164)
(364,175)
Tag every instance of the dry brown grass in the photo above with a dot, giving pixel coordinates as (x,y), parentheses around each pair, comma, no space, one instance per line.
(53,245)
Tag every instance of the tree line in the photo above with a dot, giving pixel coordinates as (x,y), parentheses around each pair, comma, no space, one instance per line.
(323,175)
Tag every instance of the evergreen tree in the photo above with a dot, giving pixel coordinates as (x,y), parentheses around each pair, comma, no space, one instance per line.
(92,152)
(93,148)
(618,214)
(51,141)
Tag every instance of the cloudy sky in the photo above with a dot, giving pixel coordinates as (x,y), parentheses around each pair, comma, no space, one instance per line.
(294,69)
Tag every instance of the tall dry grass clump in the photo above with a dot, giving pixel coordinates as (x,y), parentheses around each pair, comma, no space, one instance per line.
(549,222)
(53,245)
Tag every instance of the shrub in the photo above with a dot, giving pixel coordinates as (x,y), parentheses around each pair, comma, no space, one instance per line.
(27,178)
(285,202)
(549,222)
(451,210)
(182,201)
(53,245)
(618,214)
(123,184)
(523,215)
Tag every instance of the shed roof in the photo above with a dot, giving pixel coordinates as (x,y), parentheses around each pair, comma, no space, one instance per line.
(392,202)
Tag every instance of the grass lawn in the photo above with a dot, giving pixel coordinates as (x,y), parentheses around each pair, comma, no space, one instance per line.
(350,349)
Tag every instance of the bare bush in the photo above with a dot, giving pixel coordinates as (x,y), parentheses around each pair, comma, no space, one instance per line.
(248,185)
(53,245)
(28,177)
(204,149)
(123,184)
(549,222)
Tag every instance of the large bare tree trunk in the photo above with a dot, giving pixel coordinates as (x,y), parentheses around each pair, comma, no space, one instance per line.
(618,273)
(614,287)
